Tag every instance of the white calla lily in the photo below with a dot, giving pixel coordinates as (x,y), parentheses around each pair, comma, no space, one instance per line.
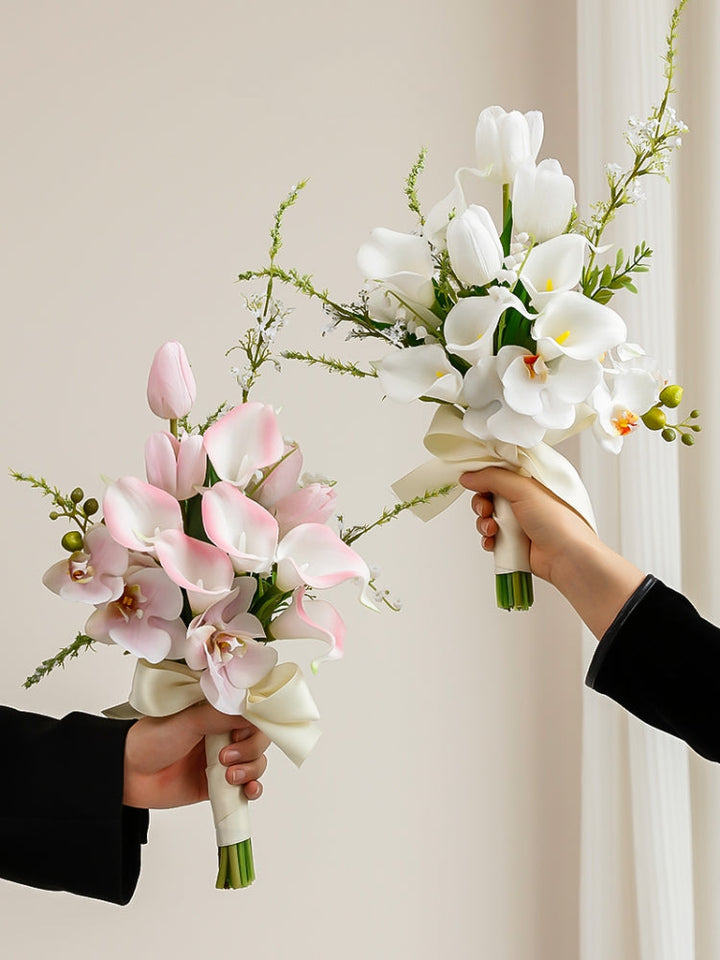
(543,198)
(423,371)
(474,247)
(553,267)
(504,141)
(471,323)
(573,325)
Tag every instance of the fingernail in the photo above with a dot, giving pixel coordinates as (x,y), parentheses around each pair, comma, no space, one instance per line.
(238,775)
(231,756)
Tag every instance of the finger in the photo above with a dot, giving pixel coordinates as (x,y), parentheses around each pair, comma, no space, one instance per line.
(245,772)
(488,543)
(487,526)
(245,750)
(495,480)
(243,731)
(482,505)
(253,790)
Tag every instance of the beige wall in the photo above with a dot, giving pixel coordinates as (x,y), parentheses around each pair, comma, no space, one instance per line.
(146,146)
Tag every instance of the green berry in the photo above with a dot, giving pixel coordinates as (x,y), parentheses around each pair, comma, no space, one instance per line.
(90,507)
(654,419)
(696,427)
(694,414)
(77,495)
(54,514)
(668,434)
(72,541)
(688,439)
(672,395)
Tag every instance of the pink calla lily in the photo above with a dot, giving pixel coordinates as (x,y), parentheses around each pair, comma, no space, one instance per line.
(314,555)
(308,619)
(176,466)
(241,527)
(281,478)
(136,513)
(243,441)
(93,574)
(202,569)
(145,619)
(314,503)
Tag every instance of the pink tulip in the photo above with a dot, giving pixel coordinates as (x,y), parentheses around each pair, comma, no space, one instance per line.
(307,619)
(313,554)
(171,386)
(136,512)
(221,642)
(176,466)
(145,619)
(246,439)
(240,527)
(312,504)
(202,569)
(93,574)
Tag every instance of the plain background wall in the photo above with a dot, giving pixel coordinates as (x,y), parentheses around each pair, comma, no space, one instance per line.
(146,147)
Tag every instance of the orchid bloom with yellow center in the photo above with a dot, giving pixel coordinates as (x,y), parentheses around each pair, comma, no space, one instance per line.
(93,574)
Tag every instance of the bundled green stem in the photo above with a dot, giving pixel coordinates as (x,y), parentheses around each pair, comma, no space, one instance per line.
(236,868)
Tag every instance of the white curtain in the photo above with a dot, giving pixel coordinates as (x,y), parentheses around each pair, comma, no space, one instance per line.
(649,869)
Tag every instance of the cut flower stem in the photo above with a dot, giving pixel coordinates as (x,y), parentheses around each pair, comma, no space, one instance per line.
(514,591)
(236,868)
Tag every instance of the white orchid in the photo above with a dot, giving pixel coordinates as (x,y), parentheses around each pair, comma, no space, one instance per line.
(474,247)
(504,141)
(488,416)
(543,198)
(620,400)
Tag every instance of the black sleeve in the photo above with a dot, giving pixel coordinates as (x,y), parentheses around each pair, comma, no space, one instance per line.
(63,825)
(661,661)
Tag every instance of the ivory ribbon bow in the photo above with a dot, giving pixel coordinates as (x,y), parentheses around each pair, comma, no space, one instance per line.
(455,451)
(280,705)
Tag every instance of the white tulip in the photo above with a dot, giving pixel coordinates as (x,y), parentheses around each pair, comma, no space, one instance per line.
(504,141)
(542,200)
(474,247)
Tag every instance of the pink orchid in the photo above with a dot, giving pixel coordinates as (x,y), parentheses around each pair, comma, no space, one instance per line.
(221,643)
(204,570)
(281,478)
(176,466)
(314,555)
(144,619)
(308,619)
(239,526)
(93,574)
(136,512)
(312,504)
(243,441)
(171,389)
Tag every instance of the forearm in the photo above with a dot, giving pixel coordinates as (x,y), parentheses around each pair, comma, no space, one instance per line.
(596,581)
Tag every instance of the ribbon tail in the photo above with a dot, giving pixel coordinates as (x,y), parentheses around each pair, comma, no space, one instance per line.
(425,478)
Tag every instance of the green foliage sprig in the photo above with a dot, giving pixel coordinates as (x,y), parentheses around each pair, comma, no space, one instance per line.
(602,283)
(350,534)
(73,650)
(73,506)
(330,363)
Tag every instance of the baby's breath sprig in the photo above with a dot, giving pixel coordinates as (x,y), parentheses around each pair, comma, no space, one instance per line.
(330,363)
(652,141)
(411,185)
(350,534)
(73,506)
(73,650)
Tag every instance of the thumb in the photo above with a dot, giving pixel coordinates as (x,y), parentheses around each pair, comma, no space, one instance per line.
(496,480)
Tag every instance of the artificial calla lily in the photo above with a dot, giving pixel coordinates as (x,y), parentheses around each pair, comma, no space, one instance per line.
(176,466)
(280,479)
(553,267)
(171,389)
(310,619)
(222,643)
(314,555)
(423,371)
(474,247)
(202,569)
(471,323)
(388,253)
(620,401)
(314,503)
(244,440)
(136,513)
(578,327)
(543,199)
(93,574)
(144,619)
(244,529)
(504,141)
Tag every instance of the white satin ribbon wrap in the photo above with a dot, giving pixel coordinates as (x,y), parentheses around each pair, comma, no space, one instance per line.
(280,705)
(455,451)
